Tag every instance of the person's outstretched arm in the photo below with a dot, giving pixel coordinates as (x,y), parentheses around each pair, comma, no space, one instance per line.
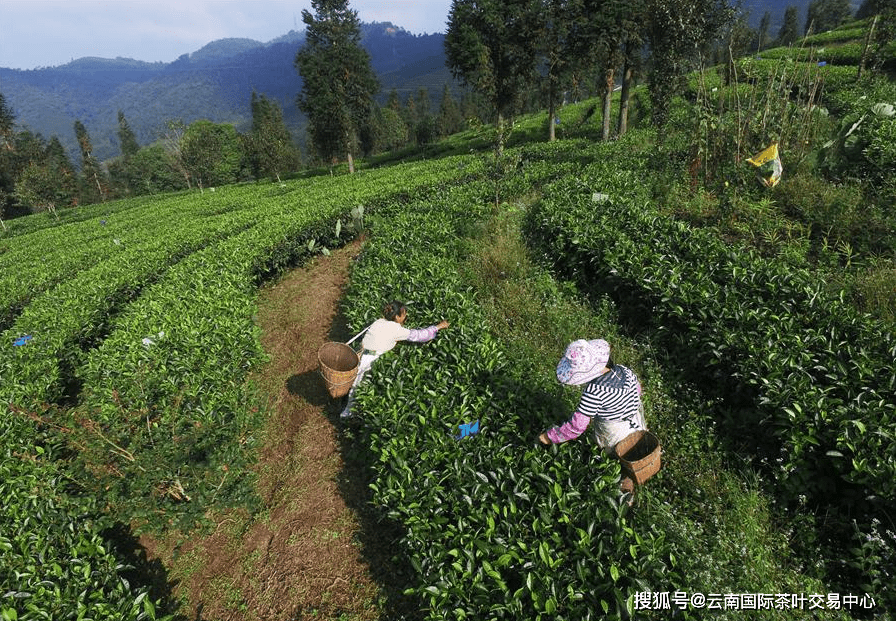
(569,430)
(422,335)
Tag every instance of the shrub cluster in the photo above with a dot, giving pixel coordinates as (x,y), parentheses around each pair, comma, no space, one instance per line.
(819,377)
(493,527)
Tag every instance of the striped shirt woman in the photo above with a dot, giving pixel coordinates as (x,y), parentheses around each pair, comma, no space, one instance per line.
(611,399)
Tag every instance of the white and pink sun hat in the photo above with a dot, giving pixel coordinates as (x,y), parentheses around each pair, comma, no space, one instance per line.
(583,361)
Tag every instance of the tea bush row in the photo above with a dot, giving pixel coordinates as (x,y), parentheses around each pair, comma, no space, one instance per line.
(165,408)
(817,378)
(70,316)
(493,527)
(131,395)
(33,264)
(55,563)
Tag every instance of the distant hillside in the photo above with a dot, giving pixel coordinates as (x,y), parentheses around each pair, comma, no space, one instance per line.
(214,82)
(776,8)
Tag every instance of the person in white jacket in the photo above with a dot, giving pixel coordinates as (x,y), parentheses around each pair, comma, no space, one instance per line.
(382,336)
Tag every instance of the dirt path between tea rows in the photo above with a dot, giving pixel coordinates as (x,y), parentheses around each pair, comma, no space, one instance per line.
(302,557)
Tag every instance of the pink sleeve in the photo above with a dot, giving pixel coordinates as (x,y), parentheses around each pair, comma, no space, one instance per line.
(569,430)
(422,335)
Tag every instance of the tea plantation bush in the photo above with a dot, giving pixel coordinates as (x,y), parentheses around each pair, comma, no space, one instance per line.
(493,527)
(123,383)
(54,561)
(818,378)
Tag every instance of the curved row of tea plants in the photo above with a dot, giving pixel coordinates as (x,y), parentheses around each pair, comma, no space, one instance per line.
(54,562)
(163,428)
(35,263)
(32,264)
(67,318)
(18,227)
(812,383)
(493,526)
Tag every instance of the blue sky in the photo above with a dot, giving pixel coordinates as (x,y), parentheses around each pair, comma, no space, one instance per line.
(47,33)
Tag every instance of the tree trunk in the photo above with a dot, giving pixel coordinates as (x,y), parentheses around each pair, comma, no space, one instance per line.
(624,97)
(499,141)
(552,111)
(351,163)
(99,187)
(608,103)
(865,49)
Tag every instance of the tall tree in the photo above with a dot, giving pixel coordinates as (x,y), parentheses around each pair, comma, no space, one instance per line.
(677,31)
(554,49)
(94,186)
(764,25)
(7,177)
(410,113)
(338,82)
(608,33)
(126,138)
(36,188)
(271,150)
(631,68)
(57,161)
(426,128)
(790,29)
(172,139)
(824,15)
(7,122)
(451,120)
(46,179)
(154,169)
(212,153)
(390,129)
(491,46)
(870,8)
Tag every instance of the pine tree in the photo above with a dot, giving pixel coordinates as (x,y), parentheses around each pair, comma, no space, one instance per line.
(392,102)
(48,182)
(390,129)
(606,32)
(557,56)
(93,186)
(64,173)
(338,82)
(790,30)
(426,129)
(764,25)
(7,178)
(7,121)
(824,15)
(451,120)
(270,146)
(126,138)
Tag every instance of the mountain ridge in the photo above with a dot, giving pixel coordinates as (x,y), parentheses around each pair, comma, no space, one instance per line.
(214,82)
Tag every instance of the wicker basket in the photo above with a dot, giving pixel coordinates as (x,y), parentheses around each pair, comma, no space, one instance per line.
(338,365)
(639,453)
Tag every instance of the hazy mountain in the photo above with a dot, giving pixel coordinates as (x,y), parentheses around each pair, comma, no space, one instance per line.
(214,82)
(755,9)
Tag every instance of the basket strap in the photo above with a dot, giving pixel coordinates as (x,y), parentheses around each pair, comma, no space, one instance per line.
(359,334)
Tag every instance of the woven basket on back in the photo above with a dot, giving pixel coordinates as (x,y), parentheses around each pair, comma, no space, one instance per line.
(639,454)
(338,365)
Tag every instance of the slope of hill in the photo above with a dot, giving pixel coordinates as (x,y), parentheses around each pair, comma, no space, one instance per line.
(214,82)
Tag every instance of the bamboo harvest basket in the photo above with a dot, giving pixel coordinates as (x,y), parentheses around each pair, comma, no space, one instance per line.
(639,454)
(338,366)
